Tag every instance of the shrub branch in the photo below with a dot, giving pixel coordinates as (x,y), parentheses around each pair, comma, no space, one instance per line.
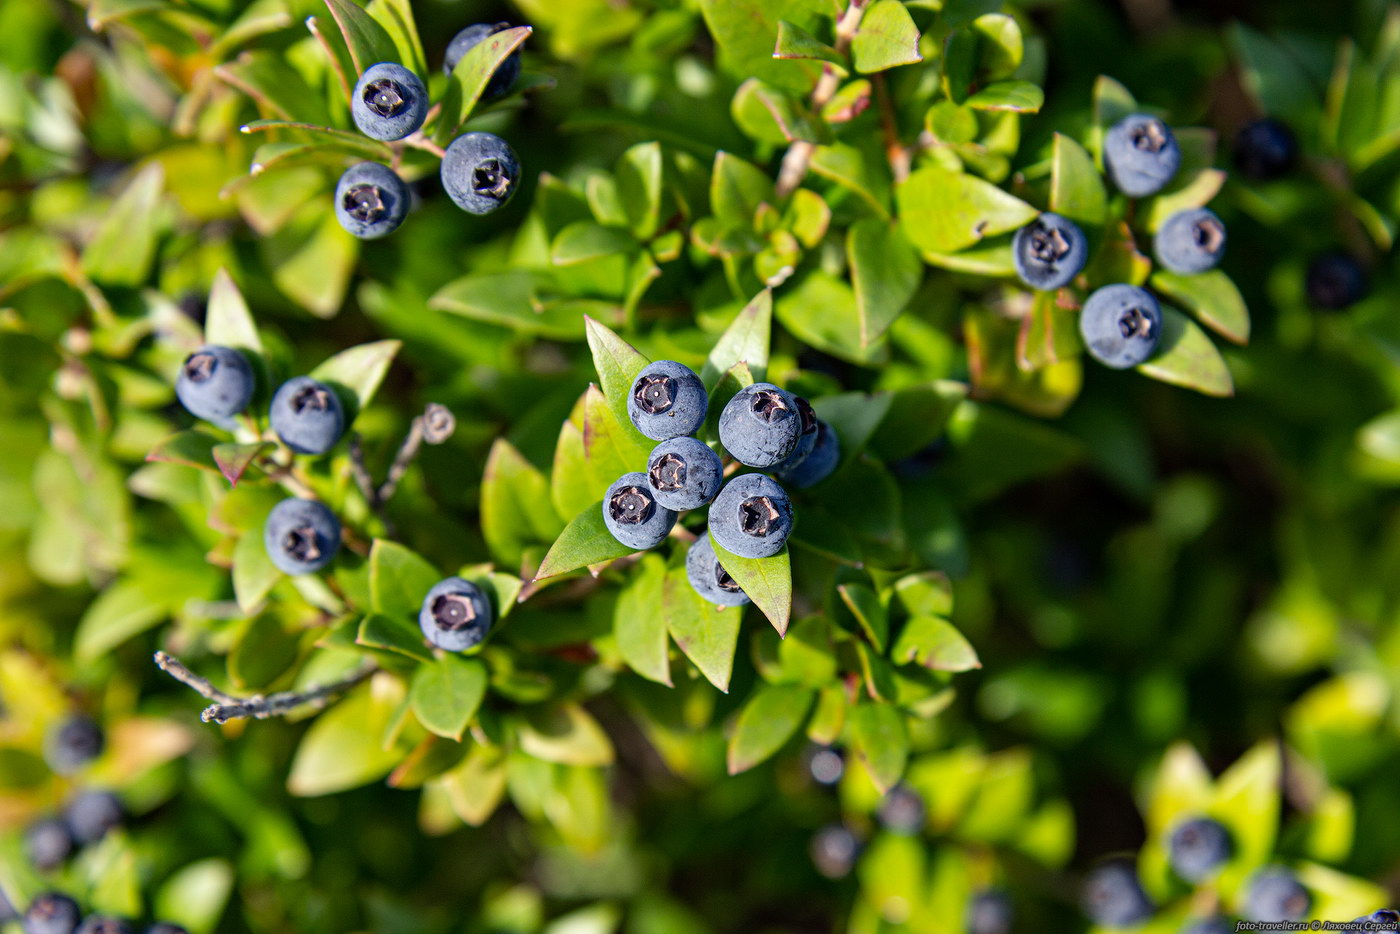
(227,707)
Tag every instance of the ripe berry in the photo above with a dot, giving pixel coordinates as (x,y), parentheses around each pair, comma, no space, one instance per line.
(464,41)
(92,814)
(1049,252)
(1113,897)
(761,425)
(72,744)
(1121,325)
(667,400)
(751,517)
(826,765)
(1335,281)
(215,383)
(807,440)
(990,912)
(455,615)
(684,473)
(389,102)
(818,465)
(480,172)
(632,514)
(97,924)
(902,810)
(51,913)
(834,850)
(1265,150)
(47,843)
(307,415)
(709,579)
(1383,919)
(371,200)
(1140,155)
(1190,241)
(301,535)
(1198,848)
(1276,895)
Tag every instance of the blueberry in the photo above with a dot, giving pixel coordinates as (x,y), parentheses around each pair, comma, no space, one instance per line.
(456,615)
(92,814)
(990,912)
(806,441)
(902,810)
(761,425)
(72,744)
(1140,155)
(480,172)
(1190,242)
(389,102)
(307,415)
(1335,281)
(632,514)
(684,473)
(1113,897)
(7,908)
(1265,150)
(1049,252)
(47,843)
(818,465)
(371,200)
(1120,325)
(1383,919)
(215,383)
(1275,894)
(826,764)
(1208,926)
(51,913)
(1198,848)
(98,924)
(667,401)
(466,39)
(709,579)
(165,927)
(751,517)
(834,850)
(301,535)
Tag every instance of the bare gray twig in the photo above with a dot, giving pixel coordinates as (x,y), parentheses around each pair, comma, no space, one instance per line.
(258,707)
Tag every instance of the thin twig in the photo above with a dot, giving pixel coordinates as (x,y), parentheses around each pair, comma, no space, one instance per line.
(419,141)
(434,426)
(895,151)
(226,707)
(360,472)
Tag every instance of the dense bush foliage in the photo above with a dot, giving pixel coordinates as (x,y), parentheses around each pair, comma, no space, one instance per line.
(1046,621)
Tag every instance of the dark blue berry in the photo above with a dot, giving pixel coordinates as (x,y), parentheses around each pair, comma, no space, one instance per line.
(1121,325)
(47,843)
(751,517)
(761,425)
(465,40)
(834,850)
(389,102)
(51,913)
(165,927)
(1198,848)
(817,466)
(1114,897)
(807,440)
(307,415)
(91,814)
(301,536)
(709,579)
(901,810)
(100,924)
(215,383)
(1335,281)
(480,172)
(371,200)
(826,765)
(1049,252)
(1275,894)
(1265,150)
(990,912)
(1382,919)
(455,615)
(667,400)
(684,473)
(1190,242)
(1140,155)
(632,514)
(72,744)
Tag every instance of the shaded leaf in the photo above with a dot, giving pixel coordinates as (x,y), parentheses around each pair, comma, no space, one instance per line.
(121,251)
(865,605)
(446,693)
(393,634)
(566,734)
(707,634)
(191,448)
(344,747)
(1076,188)
(1186,357)
(772,716)
(796,42)
(399,579)
(639,622)
(585,541)
(254,574)
(746,341)
(470,77)
(766,581)
(516,511)
(881,742)
(355,374)
(1212,297)
(885,271)
(367,41)
(233,460)
(934,643)
(227,320)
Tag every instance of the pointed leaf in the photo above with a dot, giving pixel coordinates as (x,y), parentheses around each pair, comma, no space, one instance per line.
(887,38)
(476,787)
(796,42)
(344,747)
(566,734)
(1014,96)
(399,579)
(1076,188)
(254,574)
(355,374)
(470,77)
(585,541)
(639,623)
(707,634)
(234,459)
(881,742)
(772,716)
(121,251)
(393,634)
(1212,297)
(944,212)
(227,321)
(886,272)
(618,364)
(865,605)
(367,41)
(639,180)
(446,693)
(737,188)
(191,448)
(322,138)
(746,340)
(516,511)
(934,643)
(1186,357)
(767,581)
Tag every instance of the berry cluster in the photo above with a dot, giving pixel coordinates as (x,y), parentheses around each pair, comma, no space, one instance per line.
(56,913)
(480,172)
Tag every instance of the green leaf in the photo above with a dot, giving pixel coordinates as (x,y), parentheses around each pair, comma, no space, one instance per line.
(516,511)
(1186,357)
(1112,102)
(470,77)
(746,30)
(1212,297)
(1246,801)
(773,714)
(1015,96)
(113,876)
(583,241)
(934,643)
(820,308)
(639,625)
(446,693)
(858,170)
(1275,77)
(367,41)
(263,652)
(322,139)
(865,605)
(1189,190)
(566,734)
(766,581)
(737,188)
(707,634)
(746,341)
(476,787)
(885,271)
(855,415)
(121,251)
(881,742)
(1048,335)
(227,321)
(513,300)
(254,574)
(796,42)
(737,377)
(639,179)
(276,85)
(396,16)
(944,212)
(887,38)
(585,541)
(194,895)
(617,363)
(233,460)
(393,634)
(771,115)
(344,747)
(1076,188)
(399,579)
(124,609)
(190,448)
(312,259)
(355,374)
